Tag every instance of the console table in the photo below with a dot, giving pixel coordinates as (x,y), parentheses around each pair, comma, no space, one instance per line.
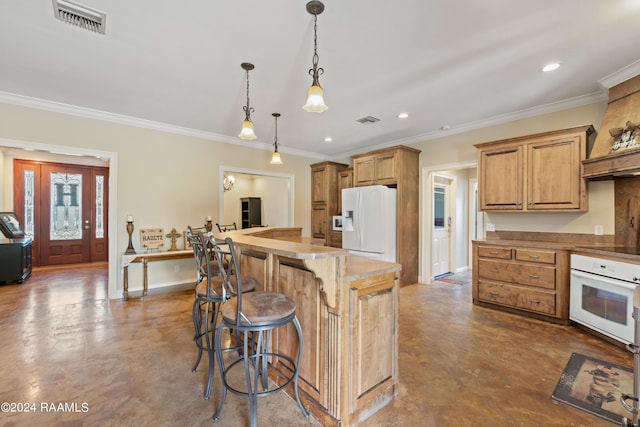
(145,259)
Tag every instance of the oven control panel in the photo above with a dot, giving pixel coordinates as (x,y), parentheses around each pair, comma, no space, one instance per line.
(607,268)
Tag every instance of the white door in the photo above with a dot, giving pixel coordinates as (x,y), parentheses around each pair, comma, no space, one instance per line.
(441,230)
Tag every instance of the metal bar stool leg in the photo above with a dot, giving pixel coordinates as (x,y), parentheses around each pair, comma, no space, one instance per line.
(196,316)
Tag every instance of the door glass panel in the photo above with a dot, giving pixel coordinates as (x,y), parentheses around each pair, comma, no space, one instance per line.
(29,189)
(438,207)
(66,206)
(605,304)
(99,220)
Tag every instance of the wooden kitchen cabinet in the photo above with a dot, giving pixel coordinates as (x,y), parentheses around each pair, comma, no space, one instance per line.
(532,281)
(345,180)
(396,167)
(541,172)
(324,197)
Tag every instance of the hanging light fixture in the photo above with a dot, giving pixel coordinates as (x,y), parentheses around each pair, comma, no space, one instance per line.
(315,100)
(247,124)
(275,158)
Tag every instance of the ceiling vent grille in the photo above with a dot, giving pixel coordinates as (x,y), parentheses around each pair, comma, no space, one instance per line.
(367,120)
(81,16)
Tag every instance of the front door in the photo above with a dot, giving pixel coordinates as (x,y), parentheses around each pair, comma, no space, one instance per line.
(63,208)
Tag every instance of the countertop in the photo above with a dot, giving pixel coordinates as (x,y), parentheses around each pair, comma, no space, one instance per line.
(287,242)
(575,247)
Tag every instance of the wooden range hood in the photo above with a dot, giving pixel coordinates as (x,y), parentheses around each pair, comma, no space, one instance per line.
(616,150)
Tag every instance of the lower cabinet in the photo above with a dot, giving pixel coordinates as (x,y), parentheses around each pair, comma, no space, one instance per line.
(533,281)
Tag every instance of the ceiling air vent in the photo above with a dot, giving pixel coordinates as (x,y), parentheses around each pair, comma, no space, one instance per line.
(82,16)
(367,120)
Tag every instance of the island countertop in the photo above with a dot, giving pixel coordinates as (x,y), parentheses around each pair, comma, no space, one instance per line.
(288,242)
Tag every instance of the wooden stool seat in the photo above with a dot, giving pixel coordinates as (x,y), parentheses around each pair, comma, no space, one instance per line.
(259,308)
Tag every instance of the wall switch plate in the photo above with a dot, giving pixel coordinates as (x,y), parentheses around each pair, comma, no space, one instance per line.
(176,268)
(598,230)
(491,227)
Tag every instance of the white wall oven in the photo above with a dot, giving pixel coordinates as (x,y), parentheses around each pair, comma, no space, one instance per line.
(602,295)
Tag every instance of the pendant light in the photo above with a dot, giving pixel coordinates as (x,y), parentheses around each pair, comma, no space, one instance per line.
(247,124)
(275,158)
(315,100)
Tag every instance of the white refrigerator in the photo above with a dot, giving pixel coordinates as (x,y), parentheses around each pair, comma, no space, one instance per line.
(369,222)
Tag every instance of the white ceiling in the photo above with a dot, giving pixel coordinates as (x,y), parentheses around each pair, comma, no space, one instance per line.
(458,63)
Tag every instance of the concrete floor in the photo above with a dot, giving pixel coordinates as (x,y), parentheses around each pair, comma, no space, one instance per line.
(129,363)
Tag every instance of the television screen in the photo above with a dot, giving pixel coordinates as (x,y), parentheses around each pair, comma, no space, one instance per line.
(10,226)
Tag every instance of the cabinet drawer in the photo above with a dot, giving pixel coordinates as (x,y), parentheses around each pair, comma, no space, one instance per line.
(536,255)
(335,239)
(494,252)
(531,275)
(535,300)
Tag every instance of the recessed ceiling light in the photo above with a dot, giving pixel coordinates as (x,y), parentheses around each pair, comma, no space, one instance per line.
(328,139)
(403,115)
(550,67)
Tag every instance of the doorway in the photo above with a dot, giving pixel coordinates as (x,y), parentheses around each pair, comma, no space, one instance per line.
(64,209)
(441,226)
(462,226)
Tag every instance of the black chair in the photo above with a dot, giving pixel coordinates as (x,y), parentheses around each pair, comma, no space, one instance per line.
(209,294)
(226,227)
(253,317)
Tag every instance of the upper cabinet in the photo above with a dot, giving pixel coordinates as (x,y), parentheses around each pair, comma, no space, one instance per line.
(345,180)
(324,197)
(541,172)
(378,168)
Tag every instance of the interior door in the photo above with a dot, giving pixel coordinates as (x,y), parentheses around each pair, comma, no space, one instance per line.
(441,230)
(64,209)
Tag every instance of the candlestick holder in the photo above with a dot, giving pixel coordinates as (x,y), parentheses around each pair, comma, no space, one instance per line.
(130,249)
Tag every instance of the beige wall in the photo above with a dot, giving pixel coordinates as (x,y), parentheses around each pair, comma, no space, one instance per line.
(163,179)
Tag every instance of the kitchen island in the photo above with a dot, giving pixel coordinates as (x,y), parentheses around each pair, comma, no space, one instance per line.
(348,310)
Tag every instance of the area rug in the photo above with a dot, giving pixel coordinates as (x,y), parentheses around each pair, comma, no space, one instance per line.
(595,386)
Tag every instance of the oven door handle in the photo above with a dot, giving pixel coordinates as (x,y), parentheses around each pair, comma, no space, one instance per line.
(619,283)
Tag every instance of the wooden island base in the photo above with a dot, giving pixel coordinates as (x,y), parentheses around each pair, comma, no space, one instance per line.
(348,310)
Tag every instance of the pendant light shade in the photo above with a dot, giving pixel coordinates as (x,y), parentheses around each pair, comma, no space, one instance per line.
(315,96)
(275,157)
(247,125)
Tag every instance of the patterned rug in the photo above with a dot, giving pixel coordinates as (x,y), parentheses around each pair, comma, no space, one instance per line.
(595,386)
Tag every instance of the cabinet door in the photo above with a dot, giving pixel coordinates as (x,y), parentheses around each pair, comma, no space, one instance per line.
(501,176)
(554,174)
(364,171)
(345,180)
(385,169)
(319,185)
(318,221)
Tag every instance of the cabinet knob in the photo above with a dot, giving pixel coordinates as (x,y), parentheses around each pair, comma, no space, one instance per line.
(534,276)
(534,256)
(534,301)
(494,270)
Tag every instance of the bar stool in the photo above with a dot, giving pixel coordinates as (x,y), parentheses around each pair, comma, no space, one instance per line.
(253,317)
(209,295)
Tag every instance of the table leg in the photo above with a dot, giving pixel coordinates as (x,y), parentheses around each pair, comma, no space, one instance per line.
(125,284)
(145,282)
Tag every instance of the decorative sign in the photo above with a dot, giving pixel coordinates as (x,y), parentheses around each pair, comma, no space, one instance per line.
(624,138)
(151,238)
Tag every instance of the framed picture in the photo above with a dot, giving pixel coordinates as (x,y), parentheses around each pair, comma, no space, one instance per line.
(187,243)
(10,226)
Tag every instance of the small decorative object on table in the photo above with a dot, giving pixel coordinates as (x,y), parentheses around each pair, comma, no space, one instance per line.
(130,249)
(208,225)
(152,238)
(174,237)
